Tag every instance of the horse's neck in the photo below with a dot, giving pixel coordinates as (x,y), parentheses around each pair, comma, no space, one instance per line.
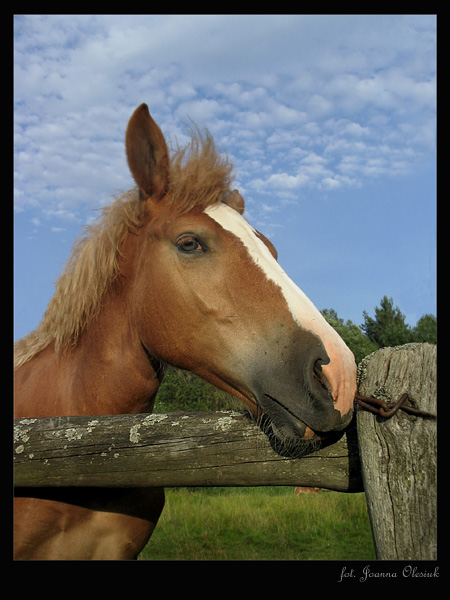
(108,372)
(115,375)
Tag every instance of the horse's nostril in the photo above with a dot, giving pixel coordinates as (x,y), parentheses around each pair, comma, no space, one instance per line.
(319,375)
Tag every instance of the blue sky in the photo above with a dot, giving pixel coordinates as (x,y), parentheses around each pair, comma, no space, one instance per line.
(330,121)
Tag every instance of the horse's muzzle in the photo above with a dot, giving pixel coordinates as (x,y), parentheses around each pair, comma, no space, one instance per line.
(295,395)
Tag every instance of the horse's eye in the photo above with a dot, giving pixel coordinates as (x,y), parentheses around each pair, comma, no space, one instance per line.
(189,244)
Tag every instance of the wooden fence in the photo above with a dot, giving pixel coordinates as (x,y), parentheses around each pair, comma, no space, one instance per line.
(222,448)
(393,461)
(399,455)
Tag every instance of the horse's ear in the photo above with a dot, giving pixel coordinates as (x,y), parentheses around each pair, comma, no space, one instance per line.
(236,201)
(147,154)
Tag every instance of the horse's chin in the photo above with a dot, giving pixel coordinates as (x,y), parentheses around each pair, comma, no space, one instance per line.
(295,441)
(288,441)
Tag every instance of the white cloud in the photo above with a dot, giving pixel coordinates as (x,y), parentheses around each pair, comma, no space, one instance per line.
(200,111)
(298,101)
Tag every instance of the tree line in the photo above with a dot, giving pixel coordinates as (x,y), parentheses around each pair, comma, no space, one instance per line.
(386,329)
(186,392)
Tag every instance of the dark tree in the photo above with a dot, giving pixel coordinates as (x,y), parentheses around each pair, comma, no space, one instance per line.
(426,329)
(388,328)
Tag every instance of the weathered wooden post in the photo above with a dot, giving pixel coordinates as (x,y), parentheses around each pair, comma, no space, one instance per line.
(398,455)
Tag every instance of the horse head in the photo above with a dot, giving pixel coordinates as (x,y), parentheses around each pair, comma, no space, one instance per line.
(210,297)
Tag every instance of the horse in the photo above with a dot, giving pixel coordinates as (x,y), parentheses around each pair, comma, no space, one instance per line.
(170,274)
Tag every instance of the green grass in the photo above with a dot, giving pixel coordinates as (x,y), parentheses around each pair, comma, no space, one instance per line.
(269,523)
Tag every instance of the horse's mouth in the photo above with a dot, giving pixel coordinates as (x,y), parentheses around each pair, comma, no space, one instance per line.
(299,427)
(288,433)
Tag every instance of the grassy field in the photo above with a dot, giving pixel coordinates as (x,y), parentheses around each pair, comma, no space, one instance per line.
(269,523)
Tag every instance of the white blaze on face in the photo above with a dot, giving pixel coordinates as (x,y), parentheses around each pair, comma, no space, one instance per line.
(340,372)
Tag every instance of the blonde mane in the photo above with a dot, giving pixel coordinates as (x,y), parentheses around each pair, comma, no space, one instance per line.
(199,176)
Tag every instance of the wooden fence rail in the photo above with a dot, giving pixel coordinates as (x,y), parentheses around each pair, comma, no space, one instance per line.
(176,449)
